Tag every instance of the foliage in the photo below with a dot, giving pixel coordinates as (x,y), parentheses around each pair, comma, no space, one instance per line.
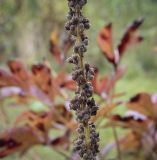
(43,86)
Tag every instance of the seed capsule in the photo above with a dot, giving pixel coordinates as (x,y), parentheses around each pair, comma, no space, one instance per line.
(83,104)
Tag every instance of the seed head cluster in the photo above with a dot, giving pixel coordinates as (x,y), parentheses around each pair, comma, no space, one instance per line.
(83,103)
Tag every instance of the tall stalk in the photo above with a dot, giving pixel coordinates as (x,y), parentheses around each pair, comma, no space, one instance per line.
(83,103)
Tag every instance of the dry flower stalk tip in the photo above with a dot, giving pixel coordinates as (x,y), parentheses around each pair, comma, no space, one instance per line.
(83,103)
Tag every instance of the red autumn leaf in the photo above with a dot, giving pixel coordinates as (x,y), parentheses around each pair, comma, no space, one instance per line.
(21,139)
(33,84)
(18,69)
(136,124)
(59,52)
(103,86)
(130,143)
(130,36)
(43,79)
(65,115)
(119,73)
(42,122)
(105,111)
(62,80)
(38,122)
(69,84)
(50,86)
(142,103)
(105,42)
(17,140)
(7,79)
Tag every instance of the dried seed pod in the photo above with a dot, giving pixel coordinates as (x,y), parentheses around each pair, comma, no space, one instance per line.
(84,106)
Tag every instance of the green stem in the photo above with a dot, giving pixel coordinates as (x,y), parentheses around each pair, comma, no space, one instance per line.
(115,134)
(117,142)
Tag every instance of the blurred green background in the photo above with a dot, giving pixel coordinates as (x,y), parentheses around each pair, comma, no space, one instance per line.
(26,26)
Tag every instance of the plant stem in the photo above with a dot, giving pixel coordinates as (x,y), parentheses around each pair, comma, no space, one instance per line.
(117,142)
(87,133)
(119,156)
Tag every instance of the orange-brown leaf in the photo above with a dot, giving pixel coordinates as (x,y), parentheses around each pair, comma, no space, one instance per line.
(141,103)
(7,79)
(18,69)
(17,140)
(105,42)
(137,124)
(105,111)
(43,79)
(130,143)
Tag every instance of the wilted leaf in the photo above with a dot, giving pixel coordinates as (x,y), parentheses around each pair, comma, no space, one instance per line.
(136,124)
(130,36)
(105,111)
(105,42)
(7,79)
(19,71)
(104,86)
(59,52)
(39,122)
(142,103)
(17,140)
(43,79)
(130,143)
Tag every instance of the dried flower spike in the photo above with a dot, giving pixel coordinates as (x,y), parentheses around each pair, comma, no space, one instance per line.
(84,104)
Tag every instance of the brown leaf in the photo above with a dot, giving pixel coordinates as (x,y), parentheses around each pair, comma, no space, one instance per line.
(130,143)
(42,78)
(130,36)
(142,103)
(95,81)
(104,86)
(62,110)
(38,122)
(105,111)
(69,84)
(119,73)
(105,42)
(7,79)
(42,122)
(136,124)
(17,140)
(50,86)
(18,69)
